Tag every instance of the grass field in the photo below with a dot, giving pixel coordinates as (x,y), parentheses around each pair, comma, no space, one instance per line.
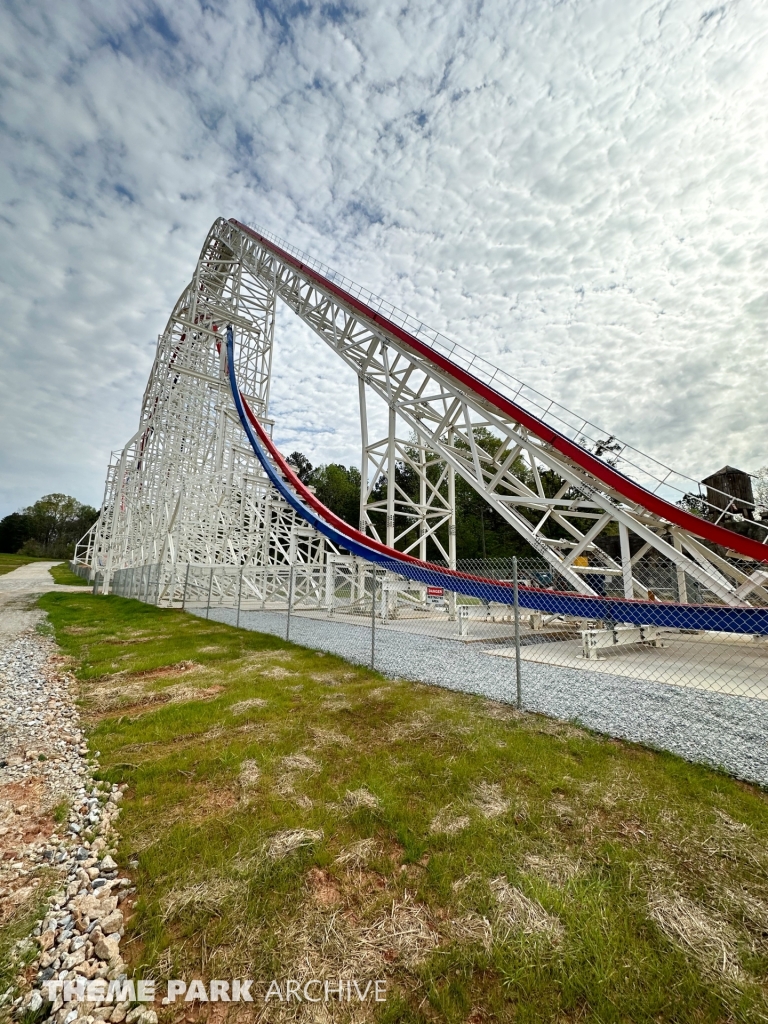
(292,816)
(63,574)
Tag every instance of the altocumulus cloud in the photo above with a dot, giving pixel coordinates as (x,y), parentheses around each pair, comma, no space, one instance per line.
(576,190)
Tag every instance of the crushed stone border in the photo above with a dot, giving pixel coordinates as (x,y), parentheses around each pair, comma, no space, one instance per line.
(77,939)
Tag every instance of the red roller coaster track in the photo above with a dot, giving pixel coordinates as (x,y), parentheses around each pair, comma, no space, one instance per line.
(616,481)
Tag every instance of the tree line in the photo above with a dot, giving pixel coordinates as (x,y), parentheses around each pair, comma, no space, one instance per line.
(51,527)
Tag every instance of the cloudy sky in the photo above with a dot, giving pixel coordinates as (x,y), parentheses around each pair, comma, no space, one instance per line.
(575,188)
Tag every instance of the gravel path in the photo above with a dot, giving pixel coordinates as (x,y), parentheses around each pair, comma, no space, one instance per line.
(56,823)
(18,591)
(716,729)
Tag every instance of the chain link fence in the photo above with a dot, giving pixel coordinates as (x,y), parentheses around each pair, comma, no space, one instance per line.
(653,671)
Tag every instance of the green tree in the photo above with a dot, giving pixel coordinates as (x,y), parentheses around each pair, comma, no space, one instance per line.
(339,489)
(337,486)
(14,531)
(52,526)
(301,465)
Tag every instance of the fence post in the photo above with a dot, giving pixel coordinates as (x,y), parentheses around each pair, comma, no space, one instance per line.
(290,602)
(239,596)
(517,634)
(373,617)
(210,587)
(186,581)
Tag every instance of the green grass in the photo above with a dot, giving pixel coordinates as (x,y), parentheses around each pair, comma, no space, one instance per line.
(513,863)
(62,574)
(60,812)
(17,928)
(10,562)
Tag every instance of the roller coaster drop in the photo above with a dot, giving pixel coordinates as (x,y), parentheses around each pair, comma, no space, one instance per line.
(202,483)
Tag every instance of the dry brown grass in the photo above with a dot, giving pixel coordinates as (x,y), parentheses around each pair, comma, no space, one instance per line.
(297,765)
(462,883)
(357,854)
(135,640)
(520,913)
(330,941)
(300,763)
(180,693)
(421,723)
(247,705)
(249,776)
(281,844)
(711,940)
(747,908)
(336,702)
(130,690)
(448,823)
(557,868)
(278,672)
(332,678)
(356,798)
(472,928)
(379,693)
(561,730)
(285,785)
(490,801)
(403,933)
(181,667)
(208,896)
(728,823)
(500,712)
(259,657)
(329,737)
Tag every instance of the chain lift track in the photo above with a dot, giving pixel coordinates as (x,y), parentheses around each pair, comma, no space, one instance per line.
(188,490)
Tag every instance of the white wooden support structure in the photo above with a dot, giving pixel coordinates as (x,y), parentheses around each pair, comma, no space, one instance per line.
(187,489)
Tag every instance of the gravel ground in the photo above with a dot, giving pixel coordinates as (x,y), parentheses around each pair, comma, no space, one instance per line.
(725,731)
(57,832)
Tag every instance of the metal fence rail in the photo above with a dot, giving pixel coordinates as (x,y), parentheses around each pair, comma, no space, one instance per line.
(697,692)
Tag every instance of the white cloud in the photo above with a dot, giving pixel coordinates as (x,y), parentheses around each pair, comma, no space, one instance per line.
(576,191)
